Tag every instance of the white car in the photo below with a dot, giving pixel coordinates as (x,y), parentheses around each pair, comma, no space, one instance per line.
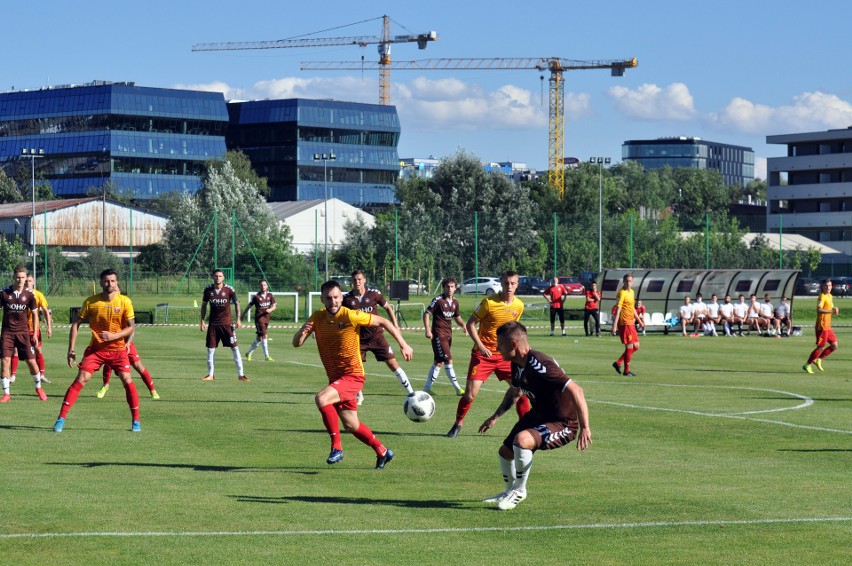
(482,285)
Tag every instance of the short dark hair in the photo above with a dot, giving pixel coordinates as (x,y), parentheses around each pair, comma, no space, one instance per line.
(510,327)
(358,272)
(106,272)
(217,270)
(20,268)
(508,273)
(447,280)
(328,286)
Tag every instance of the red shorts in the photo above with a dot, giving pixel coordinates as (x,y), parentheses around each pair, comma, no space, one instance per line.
(115,359)
(481,368)
(347,387)
(223,333)
(825,337)
(17,343)
(628,334)
(132,354)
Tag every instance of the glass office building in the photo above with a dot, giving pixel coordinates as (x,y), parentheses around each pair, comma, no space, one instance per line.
(734,162)
(286,141)
(138,140)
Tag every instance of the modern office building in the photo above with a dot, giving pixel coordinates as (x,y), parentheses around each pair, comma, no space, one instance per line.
(313,149)
(139,140)
(810,189)
(734,162)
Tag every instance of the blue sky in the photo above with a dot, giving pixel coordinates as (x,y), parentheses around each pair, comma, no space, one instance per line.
(731,72)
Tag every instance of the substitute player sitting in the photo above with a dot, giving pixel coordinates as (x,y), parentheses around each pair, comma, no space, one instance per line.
(111,319)
(559,412)
(337,331)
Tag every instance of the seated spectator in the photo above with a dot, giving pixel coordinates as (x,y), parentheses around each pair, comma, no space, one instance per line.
(686,317)
(767,313)
(713,317)
(753,318)
(741,314)
(726,316)
(640,314)
(783,315)
(699,314)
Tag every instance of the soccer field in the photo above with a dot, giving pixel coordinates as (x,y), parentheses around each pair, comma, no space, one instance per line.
(721,451)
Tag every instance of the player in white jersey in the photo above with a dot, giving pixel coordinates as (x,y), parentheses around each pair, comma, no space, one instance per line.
(726,316)
(740,314)
(686,313)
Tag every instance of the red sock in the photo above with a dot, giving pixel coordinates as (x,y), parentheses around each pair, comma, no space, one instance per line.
(814,355)
(132,399)
(14,365)
(628,353)
(332,425)
(40,362)
(825,353)
(620,360)
(107,374)
(70,398)
(149,381)
(365,435)
(462,409)
(523,406)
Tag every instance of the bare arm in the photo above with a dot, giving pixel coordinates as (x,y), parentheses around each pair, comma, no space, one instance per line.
(460,321)
(391,315)
(49,318)
(473,332)
(123,333)
(302,334)
(510,398)
(427,324)
(72,340)
(245,311)
(615,318)
(394,331)
(584,436)
(239,316)
(203,316)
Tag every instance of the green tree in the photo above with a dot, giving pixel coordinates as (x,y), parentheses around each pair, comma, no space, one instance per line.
(8,189)
(12,253)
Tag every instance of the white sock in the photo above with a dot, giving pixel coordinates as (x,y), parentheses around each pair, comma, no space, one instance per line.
(508,469)
(523,463)
(253,347)
(211,355)
(434,372)
(37,380)
(265,344)
(6,382)
(451,373)
(238,359)
(403,380)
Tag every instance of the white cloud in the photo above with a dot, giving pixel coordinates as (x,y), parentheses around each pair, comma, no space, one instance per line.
(808,111)
(759,167)
(650,102)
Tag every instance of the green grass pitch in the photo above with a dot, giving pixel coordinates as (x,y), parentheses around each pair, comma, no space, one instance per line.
(721,451)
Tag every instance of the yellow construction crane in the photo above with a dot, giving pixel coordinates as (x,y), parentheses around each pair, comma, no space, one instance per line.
(384,46)
(556,66)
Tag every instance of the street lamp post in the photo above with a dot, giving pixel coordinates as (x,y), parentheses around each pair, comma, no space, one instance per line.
(600,161)
(325,158)
(33,154)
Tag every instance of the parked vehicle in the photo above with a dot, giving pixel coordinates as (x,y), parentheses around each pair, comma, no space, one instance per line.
(587,278)
(531,285)
(841,286)
(572,284)
(807,286)
(345,281)
(482,285)
(414,287)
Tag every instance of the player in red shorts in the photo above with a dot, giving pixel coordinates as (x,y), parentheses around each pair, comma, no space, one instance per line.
(826,341)
(20,314)
(111,319)
(136,363)
(337,332)
(624,324)
(485,359)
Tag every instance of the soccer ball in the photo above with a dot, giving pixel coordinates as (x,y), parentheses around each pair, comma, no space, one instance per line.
(419,407)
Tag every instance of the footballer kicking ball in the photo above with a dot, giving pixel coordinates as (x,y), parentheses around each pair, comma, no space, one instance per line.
(419,407)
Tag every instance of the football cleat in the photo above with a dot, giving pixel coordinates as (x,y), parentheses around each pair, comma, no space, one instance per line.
(60,424)
(511,499)
(41,394)
(243,378)
(12,379)
(616,367)
(334,456)
(155,395)
(103,391)
(818,363)
(381,461)
(6,397)
(208,378)
(44,379)
(806,367)
(498,497)
(248,356)
(629,374)
(454,432)
(135,426)
(459,392)
(269,359)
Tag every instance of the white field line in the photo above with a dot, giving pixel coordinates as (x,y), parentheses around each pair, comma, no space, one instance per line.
(807,401)
(324,532)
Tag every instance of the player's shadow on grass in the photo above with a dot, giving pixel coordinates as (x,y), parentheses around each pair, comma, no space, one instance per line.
(195,467)
(815,450)
(22,427)
(376,432)
(409,503)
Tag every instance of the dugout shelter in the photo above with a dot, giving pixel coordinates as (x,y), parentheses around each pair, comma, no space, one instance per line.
(662,290)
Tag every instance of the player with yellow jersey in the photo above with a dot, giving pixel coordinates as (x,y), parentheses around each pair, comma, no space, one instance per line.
(826,341)
(624,324)
(112,322)
(337,330)
(485,359)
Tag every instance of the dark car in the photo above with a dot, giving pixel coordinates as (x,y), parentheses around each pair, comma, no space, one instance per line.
(531,285)
(572,284)
(587,278)
(807,286)
(841,286)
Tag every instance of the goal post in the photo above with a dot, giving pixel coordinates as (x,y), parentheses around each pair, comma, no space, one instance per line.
(277,294)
